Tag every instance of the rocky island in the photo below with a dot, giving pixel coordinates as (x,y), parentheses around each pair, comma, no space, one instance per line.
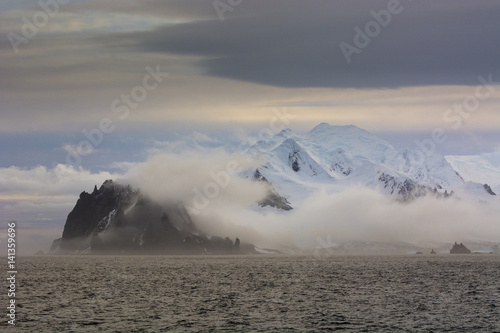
(459,249)
(119,219)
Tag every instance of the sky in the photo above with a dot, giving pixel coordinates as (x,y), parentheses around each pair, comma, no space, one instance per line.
(133,77)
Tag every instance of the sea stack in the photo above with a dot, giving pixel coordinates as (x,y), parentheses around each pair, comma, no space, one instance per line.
(459,249)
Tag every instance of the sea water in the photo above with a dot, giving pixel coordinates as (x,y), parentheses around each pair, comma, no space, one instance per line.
(438,293)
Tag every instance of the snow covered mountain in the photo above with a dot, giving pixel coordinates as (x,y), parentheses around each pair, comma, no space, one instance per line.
(483,169)
(331,158)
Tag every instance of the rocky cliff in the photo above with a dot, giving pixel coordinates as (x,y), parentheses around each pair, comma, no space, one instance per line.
(119,219)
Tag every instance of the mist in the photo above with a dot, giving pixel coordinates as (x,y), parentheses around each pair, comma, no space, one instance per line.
(198,180)
(362,214)
(355,214)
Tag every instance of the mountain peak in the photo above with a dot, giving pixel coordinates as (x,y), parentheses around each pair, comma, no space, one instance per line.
(286,130)
(322,127)
(327,130)
(285,133)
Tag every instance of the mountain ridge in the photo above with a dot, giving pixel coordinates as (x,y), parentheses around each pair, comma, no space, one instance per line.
(333,157)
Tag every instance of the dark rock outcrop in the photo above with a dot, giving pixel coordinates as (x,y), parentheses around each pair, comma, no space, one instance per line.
(341,163)
(294,161)
(91,209)
(459,249)
(488,189)
(406,190)
(272,199)
(119,219)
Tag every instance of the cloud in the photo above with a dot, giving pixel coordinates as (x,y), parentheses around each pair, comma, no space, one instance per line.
(296,43)
(361,214)
(200,180)
(41,181)
(356,213)
(65,79)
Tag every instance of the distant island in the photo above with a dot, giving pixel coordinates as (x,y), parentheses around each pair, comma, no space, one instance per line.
(459,249)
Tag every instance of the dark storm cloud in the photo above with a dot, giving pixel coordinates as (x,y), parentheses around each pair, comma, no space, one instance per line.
(296,43)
